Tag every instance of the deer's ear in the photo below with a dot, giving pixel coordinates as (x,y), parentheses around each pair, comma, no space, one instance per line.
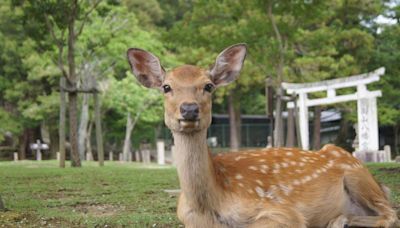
(228,64)
(146,67)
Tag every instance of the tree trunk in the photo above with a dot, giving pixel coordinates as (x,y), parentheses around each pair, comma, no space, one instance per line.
(73,96)
(61,133)
(290,128)
(83,125)
(99,136)
(128,133)
(278,132)
(54,142)
(234,123)
(396,129)
(88,139)
(23,141)
(317,128)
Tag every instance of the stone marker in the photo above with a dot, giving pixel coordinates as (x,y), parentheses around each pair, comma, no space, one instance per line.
(58,156)
(137,156)
(15,157)
(130,156)
(388,153)
(111,156)
(89,157)
(160,152)
(397,159)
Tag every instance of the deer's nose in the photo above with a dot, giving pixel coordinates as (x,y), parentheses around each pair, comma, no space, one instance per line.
(189,111)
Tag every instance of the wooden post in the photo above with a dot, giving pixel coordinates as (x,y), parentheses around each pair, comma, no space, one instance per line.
(15,156)
(290,128)
(62,122)
(99,137)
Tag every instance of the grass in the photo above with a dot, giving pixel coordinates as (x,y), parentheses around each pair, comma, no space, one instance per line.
(39,194)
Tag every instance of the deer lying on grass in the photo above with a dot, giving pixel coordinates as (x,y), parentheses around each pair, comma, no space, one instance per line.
(276,187)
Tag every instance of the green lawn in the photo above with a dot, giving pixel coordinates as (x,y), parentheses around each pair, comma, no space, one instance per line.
(117,195)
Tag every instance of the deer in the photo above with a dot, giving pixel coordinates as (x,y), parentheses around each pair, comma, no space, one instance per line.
(274,187)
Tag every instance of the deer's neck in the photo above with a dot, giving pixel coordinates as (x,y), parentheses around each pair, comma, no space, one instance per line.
(195,170)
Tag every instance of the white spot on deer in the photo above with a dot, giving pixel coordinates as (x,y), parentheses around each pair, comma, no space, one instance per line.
(262,160)
(239,158)
(322,155)
(277,166)
(305,179)
(293,163)
(289,153)
(301,164)
(275,171)
(296,182)
(298,171)
(284,164)
(260,191)
(250,191)
(323,169)
(286,189)
(303,159)
(263,171)
(252,167)
(241,185)
(260,182)
(255,154)
(238,177)
(314,175)
(264,166)
(318,171)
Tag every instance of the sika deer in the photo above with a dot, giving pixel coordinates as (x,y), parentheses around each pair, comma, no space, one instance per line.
(277,187)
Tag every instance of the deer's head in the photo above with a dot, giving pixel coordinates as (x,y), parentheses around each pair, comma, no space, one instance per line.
(187,89)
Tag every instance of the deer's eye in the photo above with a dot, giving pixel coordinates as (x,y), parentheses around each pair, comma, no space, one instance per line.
(166,88)
(209,87)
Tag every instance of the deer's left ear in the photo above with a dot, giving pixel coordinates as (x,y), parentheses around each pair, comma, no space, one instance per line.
(146,67)
(228,64)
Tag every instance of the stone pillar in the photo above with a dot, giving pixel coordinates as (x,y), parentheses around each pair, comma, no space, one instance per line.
(388,153)
(89,157)
(160,152)
(111,156)
(303,119)
(129,156)
(367,116)
(15,156)
(137,156)
(58,156)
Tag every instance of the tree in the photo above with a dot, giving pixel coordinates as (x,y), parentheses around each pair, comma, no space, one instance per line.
(59,19)
(137,103)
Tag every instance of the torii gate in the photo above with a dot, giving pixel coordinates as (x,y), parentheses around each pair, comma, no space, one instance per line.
(367,116)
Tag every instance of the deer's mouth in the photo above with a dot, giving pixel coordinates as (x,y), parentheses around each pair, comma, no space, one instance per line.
(189,123)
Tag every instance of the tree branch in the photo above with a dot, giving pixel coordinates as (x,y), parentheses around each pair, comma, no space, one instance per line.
(280,41)
(59,44)
(86,16)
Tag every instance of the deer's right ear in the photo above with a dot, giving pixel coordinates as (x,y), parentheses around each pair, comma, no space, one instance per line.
(146,67)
